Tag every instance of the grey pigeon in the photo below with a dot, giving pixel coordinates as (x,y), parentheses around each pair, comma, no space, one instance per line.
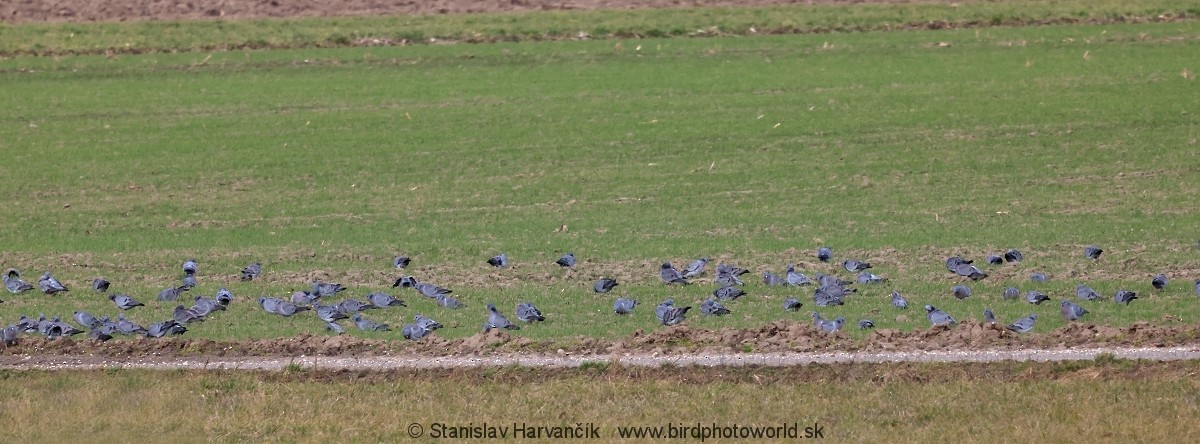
(1036,297)
(189,281)
(204,306)
(731,269)
(498,261)
(1092,252)
(1124,297)
(497,320)
(711,307)
(1039,277)
(995,259)
(401,262)
(224,297)
(824,254)
(184,316)
(728,293)
(670,275)
(270,305)
(1159,281)
(448,302)
(695,268)
(1197,287)
(165,328)
(334,328)
(566,261)
(124,302)
(727,275)
(1012,255)
(171,294)
(426,323)
(938,317)
(12,280)
(623,306)
(101,334)
(9,335)
(772,280)
(128,327)
(1023,325)
(50,285)
(527,313)
(100,285)
(425,289)
(826,325)
(898,300)
(953,262)
(27,325)
(189,266)
(1012,293)
(662,308)
(355,306)
(1085,293)
(988,316)
(672,315)
(796,279)
(961,291)
(413,332)
(365,324)
(792,304)
(85,319)
(1070,311)
(864,324)
(250,272)
(827,296)
(866,277)
(854,266)
(326,288)
(381,300)
(329,313)
(604,285)
(287,309)
(831,281)
(970,271)
(304,297)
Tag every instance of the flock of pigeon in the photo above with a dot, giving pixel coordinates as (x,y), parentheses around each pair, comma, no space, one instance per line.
(828,291)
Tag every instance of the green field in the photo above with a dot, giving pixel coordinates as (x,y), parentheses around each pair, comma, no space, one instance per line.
(900,148)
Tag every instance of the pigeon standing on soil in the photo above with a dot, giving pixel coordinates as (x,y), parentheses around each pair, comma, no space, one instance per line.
(1124,297)
(772,280)
(365,324)
(1197,287)
(124,302)
(1036,297)
(426,323)
(824,254)
(12,281)
(1070,311)
(1159,281)
(381,300)
(171,294)
(670,275)
(400,262)
(604,285)
(711,307)
(1023,325)
(696,268)
(1092,252)
(826,325)
(988,316)
(50,285)
(527,313)
(961,291)
(412,332)
(128,327)
(995,259)
(898,300)
(499,261)
(100,285)
(189,266)
(938,317)
(854,266)
(497,320)
(864,324)
(728,293)
(566,261)
(792,304)
(1012,255)
(250,272)
(334,328)
(1085,293)
(795,278)
(623,306)
(9,335)
(1012,293)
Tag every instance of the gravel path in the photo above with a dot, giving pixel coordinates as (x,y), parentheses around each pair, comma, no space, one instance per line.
(557,361)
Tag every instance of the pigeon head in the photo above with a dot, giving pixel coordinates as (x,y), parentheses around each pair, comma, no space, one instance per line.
(666,266)
(929,308)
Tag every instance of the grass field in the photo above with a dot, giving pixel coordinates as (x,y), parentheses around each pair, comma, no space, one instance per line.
(1107,400)
(900,148)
